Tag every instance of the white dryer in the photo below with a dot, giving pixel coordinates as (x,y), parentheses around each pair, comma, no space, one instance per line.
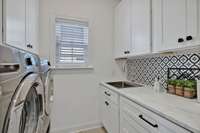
(21,92)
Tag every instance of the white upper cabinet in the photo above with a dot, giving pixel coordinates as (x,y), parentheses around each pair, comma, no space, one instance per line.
(20,24)
(122,29)
(132,28)
(193,23)
(14,20)
(145,26)
(32,25)
(175,24)
(140,27)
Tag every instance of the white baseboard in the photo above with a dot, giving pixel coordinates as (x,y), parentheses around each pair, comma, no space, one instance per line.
(78,128)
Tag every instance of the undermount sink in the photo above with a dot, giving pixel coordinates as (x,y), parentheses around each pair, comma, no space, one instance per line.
(123,84)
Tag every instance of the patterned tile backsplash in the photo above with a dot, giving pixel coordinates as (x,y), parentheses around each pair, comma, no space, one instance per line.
(145,70)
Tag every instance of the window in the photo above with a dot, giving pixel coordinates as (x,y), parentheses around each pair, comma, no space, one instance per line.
(71,42)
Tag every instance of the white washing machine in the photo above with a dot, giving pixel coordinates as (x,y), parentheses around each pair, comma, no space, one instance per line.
(22,102)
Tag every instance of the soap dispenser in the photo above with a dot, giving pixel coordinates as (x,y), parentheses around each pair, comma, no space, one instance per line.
(157,86)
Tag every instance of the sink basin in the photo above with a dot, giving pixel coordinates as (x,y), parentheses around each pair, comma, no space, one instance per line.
(123,84)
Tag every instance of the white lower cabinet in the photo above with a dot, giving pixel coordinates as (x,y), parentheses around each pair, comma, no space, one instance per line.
(136,119)
(110,116)
(121,115)
(110,111)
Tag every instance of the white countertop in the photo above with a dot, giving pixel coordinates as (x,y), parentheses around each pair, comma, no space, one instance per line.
(182,111)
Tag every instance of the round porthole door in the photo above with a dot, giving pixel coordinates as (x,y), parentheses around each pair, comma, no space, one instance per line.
(26,107)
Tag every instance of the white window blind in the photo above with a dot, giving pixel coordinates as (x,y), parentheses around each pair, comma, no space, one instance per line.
(71,42)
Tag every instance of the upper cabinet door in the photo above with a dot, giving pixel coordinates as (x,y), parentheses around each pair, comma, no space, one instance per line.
(169,24)
(175,24)
(133,28)
(193,23)
(122,29)
(14,23)
(21,24)
(32,25)
(140,27)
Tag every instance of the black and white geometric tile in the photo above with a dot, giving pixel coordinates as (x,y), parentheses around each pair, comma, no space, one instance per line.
(145,70)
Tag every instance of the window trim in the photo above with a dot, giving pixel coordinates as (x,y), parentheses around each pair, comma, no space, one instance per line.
(87,65)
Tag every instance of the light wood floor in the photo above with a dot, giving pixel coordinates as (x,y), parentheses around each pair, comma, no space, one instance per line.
(98,130)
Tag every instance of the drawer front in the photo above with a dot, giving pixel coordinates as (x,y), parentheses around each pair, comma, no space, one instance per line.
(133,112)
(129,125)
(113,96)
(150,119)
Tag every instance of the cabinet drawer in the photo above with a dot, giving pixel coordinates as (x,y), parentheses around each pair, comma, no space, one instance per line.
(149,119)
(129,125)
(113,96)
(135,113)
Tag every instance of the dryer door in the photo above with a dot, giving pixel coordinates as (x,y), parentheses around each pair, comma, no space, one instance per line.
(26,107)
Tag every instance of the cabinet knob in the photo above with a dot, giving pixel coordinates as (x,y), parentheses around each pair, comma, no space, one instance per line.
(108,94)
(126,52)
(189,38)
(29,45)
(180,40)
(106,103)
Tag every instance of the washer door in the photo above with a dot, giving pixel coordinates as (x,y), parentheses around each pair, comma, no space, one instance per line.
(26,107)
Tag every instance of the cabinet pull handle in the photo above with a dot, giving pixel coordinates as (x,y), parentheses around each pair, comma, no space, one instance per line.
(106,103)
(126,52)
(180,40)
(108,94)
(189,38)
(29,46)
(153,125)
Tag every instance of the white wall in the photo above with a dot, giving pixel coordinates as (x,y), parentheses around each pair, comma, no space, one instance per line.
(76,92)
